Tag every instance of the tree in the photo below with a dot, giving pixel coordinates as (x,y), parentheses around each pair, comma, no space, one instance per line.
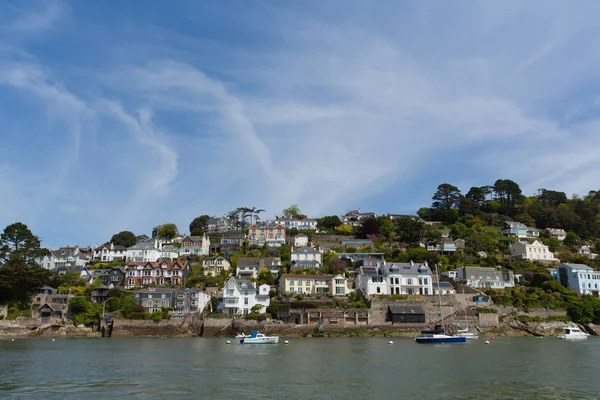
(265,276)
(571,239)
(386,228)
(167,232)
(509,194)
(18,243)
(345,230)
(408,229)
(477,195)
(551,197)
(370,227)
(124,238)
(198,225)
(446,197)
(293,212)
(329,222)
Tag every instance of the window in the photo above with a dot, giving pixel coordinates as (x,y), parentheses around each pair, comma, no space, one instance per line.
(150,303)
(425,282)
(300,290)
(307,282)
(391,280)
(339,290)
(292,281)
(409,281)
(339,281)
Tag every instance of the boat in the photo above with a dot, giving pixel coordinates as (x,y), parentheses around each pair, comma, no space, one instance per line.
(465,331)
(570,332)
(259,338)
(241,336)
(439,335)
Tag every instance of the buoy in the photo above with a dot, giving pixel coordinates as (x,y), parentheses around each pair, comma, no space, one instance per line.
(487,342)
(164,338)
(12,340)
(228,342)
(492,338)
(390,342)
(53,340)
(300,338)
(286,342)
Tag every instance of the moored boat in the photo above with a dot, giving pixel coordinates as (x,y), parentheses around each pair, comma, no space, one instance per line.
(467,334)
(259,338)
(570,332)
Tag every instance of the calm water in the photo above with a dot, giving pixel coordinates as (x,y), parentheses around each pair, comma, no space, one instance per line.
(319,368)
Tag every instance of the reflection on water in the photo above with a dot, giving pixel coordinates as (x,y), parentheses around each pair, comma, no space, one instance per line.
(508,368)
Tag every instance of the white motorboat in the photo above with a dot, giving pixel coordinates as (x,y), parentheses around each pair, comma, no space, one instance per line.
(259,338)
(241,336)
(570,332)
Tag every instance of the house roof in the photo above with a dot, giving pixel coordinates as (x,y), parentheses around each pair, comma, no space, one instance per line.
(142,246)
(260,261)
(242,284)
(155,290)
(406,268)
(406,309)
(302,276)
(577,266)
(269,226)
(514,224)
(305,250)
(443,285)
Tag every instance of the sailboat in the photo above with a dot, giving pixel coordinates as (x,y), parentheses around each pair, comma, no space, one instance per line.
(439,335)
(465,331)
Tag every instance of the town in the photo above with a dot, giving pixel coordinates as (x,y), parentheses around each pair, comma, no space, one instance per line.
(494,255)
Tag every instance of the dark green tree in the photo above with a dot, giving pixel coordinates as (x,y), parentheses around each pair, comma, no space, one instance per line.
(124,238)
(167,232)
(18,243)
(446,197)
(198,225)
(329,222)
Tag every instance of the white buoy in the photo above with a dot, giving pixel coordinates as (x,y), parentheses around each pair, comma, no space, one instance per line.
(229,342)
(53,340)
(12,340)
(390,342)
(487,342)
(286,342)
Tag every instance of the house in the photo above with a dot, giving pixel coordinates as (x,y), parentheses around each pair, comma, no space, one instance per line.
(446,245)
(405,313)
(69,268)
(519,230)
(587,251)
(370,262)
(486,277)
(334,285)
(443,288)
(194,245)
(219,225)
(109,252)
(306,257)
(355,257)
(514,229)
(158,273)
(114,277)
(142,252)
(249,267)
(213,266)
(301,240)
(358,243)
(460,244)
(300,224)
(241,296)
(66,257)
(360,215)
(154,299)
(269,233)
(168,252)
(555,233)
(450,274)
(190,301)
(232,242)
(47,304)
(536,251)
(395,278)
(100,294)
(579,277)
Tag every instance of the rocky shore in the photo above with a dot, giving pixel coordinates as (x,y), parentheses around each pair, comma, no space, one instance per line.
(196,326)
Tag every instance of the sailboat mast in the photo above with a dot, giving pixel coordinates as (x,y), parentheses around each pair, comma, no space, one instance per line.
(439,295)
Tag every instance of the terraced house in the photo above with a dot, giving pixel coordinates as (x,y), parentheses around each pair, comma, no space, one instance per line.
(160,273)
(269,233)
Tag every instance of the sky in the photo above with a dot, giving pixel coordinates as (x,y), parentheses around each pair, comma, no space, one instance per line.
(122,115)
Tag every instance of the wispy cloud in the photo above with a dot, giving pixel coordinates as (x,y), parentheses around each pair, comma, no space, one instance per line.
(42,18)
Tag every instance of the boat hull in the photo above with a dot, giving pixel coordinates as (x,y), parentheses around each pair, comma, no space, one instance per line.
(440,339)
(468,336)
(260,340)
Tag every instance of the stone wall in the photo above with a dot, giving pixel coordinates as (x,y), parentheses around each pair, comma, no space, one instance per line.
(488,320)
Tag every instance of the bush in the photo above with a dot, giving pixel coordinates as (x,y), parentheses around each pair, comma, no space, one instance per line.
(156,316)
(486,311)
(258,317)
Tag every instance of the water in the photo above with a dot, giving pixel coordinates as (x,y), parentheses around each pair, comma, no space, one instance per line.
(319,368)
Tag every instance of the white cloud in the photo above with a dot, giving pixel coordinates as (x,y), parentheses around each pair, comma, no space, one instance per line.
(42,19)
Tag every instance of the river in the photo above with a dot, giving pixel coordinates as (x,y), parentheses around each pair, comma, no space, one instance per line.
(312,368)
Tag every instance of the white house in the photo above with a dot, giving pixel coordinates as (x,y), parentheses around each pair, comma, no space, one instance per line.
(559,234)
(579,277)
(301,240)
(306,257)
(169,253)
(214,266)
(143,252)
(300,224)
(218,225)
(395,278)
(587,251)
(536,251)
(486,277)
(109,252)
(239,296)
(66,257)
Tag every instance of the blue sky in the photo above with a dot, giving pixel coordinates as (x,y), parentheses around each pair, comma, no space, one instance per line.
(121,115)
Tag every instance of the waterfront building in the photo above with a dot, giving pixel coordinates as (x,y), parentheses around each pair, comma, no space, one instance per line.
(334,285)
(241,295)
(578,277)
(156,273)
(395,278)
(486,277)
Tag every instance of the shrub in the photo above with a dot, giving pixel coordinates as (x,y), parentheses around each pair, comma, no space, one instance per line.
(486,311)
(258,317)
(156,316)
